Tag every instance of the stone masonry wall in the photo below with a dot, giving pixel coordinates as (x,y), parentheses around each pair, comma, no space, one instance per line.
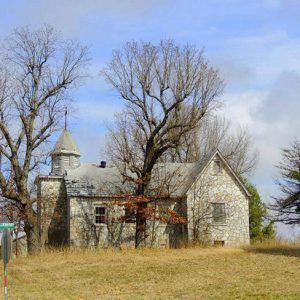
(84,232)
(221,187)
(52,210)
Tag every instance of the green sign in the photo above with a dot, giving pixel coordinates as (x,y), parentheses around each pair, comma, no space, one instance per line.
(8,225)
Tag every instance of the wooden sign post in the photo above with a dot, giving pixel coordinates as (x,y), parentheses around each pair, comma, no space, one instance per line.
(6,252)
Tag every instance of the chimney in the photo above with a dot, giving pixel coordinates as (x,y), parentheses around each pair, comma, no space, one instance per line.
(103,164)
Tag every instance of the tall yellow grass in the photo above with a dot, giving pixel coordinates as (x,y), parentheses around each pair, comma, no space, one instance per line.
(261,271)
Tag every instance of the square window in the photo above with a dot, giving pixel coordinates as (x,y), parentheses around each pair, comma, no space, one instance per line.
(100,210)
(100,215)
(218,213)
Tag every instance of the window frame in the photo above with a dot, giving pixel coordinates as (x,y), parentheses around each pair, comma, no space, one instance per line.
(223,217)
(103,216)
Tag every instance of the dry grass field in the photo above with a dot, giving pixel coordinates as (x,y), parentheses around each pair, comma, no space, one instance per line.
(257,272)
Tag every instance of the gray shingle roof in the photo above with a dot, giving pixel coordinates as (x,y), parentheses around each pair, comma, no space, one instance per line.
(91,180)
(65,145)
(170,179)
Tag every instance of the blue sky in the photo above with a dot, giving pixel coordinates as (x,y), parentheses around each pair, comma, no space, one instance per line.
(255,44)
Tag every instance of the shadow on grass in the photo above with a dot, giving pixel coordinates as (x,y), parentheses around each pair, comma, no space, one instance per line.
(276,250)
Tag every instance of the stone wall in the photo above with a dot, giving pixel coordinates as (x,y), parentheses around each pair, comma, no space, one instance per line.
(52,210)
(19,246)
(84,232)
(214,187)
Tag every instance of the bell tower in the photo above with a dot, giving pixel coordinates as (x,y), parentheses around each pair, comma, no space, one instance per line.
(65,154)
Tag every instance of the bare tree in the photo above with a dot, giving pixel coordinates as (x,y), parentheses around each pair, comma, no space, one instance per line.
(37,68)
(215,132)
(234,143)
(287,205)
(167,90)
(188,149)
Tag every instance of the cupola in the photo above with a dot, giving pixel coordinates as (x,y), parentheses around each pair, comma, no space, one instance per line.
(65,154)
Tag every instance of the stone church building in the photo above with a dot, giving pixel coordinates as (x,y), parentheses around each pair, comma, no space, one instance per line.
(78,206)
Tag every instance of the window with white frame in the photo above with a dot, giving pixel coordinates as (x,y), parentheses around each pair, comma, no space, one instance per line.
(100,215)
(218,213)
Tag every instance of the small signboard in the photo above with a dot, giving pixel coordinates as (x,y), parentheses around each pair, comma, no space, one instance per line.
(7,225)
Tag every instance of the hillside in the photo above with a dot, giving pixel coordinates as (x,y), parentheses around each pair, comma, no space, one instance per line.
(269,272)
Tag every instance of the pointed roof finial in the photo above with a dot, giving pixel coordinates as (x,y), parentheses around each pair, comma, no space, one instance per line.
(66,114)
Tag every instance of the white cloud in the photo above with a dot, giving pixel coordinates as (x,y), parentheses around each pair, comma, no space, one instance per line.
(232,70)
(272,119)
(283,101)
(239,105)
(267,53)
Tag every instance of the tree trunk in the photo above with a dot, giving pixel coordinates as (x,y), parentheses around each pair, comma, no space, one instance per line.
(32,235)
(140,231)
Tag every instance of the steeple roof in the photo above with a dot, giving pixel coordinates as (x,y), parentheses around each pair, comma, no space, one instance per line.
(65,145)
